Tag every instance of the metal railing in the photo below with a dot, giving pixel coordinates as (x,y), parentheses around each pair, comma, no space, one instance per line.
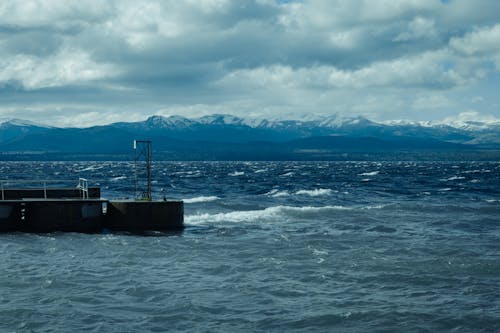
(6,184)
(83,185)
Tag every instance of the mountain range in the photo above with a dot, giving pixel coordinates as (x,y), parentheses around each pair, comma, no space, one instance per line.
(226,137)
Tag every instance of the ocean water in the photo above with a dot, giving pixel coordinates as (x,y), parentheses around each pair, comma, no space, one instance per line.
(269,247)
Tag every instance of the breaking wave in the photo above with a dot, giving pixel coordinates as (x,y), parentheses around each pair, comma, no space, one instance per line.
(201,199)
(373,173)
(313,193)
(115,179)
(275,213)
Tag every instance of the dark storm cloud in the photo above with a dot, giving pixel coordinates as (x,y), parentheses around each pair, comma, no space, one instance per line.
(241,57)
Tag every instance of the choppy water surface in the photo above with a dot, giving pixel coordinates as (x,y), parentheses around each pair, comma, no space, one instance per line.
(289,246)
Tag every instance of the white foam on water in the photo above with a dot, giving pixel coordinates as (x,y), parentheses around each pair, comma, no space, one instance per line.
(201,199)
(260,171)
(288,174)
(317,252)
(115,179)
(236,174)
(455,178)
(91,168)
(276,193)
(270,214)
(315,193)
(373,173)
(472,171)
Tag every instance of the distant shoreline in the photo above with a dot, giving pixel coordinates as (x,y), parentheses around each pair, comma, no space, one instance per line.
(472,155)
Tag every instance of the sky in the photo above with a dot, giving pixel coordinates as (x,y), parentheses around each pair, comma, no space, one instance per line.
(82,63)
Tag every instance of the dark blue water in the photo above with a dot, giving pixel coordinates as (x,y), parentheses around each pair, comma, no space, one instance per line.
(275,247)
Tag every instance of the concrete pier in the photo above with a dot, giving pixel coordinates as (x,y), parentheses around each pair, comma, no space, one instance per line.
(88,216)
(44,210)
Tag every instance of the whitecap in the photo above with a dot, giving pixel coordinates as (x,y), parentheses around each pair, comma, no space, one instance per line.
(90,168)
(288,174)
(276,193)
(373,173)
(315,193)
(115,179)
(455,178)
(275,213)
(201,199)
(260,171)
(236,174)
(317,252)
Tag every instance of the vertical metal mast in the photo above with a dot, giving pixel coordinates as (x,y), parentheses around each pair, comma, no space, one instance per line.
(142,169)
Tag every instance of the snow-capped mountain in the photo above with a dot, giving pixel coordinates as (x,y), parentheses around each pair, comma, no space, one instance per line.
(226,136)
(21,123)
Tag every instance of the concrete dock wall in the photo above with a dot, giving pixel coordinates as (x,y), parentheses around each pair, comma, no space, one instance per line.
(87,216)
(10,216)
(56,215)
(145,215)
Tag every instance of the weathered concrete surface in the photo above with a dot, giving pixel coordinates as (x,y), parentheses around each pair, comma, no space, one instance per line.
(51,215)
(69,215)
(145,215)
(10,216)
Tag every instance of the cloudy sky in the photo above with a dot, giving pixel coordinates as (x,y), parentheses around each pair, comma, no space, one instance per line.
(80,62)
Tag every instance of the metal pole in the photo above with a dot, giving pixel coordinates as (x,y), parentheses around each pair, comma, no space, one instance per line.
(149,170)
(135,168)
(143,158)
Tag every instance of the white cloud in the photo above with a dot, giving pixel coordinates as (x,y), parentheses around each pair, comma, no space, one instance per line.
(65,68)
(431,101)
(423,70)
(262,56)
(484,41)
(471,116)
(418,28)
(36,13)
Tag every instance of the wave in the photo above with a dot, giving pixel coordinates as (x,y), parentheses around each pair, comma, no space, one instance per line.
(276,193)
(455,178)
(275,213)
(236,174)
(315,193)
(115,179)
(201,199)
(90,168)
(373,173)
